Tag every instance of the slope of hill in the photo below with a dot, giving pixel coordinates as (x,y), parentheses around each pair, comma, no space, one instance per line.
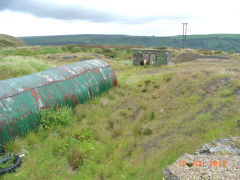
(225,42)
(152,118)
(10,41)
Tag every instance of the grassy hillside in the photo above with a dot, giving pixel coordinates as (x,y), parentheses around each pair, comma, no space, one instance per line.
(155,115)
(10,41)
(225,42)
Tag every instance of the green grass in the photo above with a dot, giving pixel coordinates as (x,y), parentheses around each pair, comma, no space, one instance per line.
(117,53)
(30,51)
(7,164)
(136,129)
(15,66)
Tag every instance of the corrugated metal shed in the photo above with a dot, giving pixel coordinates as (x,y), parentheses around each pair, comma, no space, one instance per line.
(22,98)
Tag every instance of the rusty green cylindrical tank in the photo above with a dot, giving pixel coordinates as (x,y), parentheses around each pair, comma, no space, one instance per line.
(22,98)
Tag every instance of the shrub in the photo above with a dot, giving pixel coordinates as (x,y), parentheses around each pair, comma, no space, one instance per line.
(218,52)
(161,48)
(56,116)
(84,136)
(97,50)
(72,48)
(231,52)
(50,50)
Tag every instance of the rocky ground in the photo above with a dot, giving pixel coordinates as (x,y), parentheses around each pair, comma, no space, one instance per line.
(219,159)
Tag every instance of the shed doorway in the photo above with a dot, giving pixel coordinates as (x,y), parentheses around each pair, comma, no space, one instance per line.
(144,59)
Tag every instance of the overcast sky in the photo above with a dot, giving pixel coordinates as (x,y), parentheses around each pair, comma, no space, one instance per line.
(131,17)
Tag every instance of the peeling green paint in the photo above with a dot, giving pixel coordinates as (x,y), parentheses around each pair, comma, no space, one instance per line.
(22,98)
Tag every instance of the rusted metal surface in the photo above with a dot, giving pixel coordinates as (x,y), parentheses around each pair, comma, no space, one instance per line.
(22,98)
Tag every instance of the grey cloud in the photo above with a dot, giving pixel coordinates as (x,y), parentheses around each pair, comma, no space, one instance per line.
(70,12)
(57,11)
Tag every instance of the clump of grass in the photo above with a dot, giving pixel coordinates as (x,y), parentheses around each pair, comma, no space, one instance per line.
(193,99)
(15,66)
(59,146)
(144,90)
(137,129)
(226,92)
(218,52)
(147,82)
(117,132)
(32,138)
(81,144)
(54,117)
(13,146)
(152,117)
(110,124)
(147,131)
(156,86)
(167,79)
(231,52)
(75,158)
(72,48)
(130,146)
(84,136)
(7,164)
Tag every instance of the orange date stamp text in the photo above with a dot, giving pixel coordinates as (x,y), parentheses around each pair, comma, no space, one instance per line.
(202,163)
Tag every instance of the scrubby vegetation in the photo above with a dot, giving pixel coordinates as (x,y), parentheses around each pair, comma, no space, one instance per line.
(117,53)
(134,130)
(224,42)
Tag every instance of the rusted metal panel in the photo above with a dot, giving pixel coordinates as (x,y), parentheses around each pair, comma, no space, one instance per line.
(22,98)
